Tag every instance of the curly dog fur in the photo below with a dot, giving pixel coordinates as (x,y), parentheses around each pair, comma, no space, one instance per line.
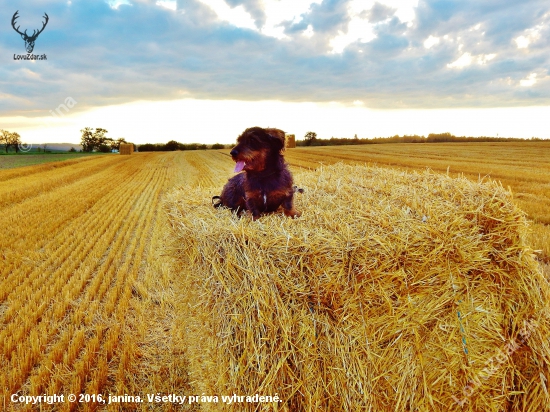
(264,182)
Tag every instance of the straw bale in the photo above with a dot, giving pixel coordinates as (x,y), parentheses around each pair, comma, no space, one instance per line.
(126,149)
(290,141)
(394,291)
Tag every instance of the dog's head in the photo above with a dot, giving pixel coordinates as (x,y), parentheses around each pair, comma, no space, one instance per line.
(257,149)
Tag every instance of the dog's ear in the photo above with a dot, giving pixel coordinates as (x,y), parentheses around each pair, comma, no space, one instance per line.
(278,138)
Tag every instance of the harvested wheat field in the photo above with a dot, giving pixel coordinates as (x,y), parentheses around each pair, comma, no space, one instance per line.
(93,300)
(395,291)
(86,303)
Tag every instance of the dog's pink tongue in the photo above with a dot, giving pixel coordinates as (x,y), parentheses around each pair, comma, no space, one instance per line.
(239,166)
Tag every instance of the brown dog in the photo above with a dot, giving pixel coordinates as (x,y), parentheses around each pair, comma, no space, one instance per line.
(264,182)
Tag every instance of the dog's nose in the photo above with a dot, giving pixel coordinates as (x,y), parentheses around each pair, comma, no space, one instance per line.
(234,152)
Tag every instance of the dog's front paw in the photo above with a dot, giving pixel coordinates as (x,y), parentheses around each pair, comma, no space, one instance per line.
(293,213)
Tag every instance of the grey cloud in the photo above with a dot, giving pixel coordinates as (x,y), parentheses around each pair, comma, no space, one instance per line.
(327,17)
(379,12)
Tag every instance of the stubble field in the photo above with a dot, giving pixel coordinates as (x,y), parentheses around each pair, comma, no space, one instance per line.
(89,292)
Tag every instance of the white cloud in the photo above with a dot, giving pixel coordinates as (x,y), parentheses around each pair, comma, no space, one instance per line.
(276,11)
(114,3)
(462,61)
(358,30)
(405,9)
(529,81)
(530,36)
(522,42)
(309,31)
(357,6)
(169,4)
(467,59)
(236,16)
(431,41)
(484,58)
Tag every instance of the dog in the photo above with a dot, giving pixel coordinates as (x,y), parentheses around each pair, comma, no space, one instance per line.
(263,183)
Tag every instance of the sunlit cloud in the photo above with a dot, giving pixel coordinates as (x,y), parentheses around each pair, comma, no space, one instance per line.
(529,81)
(237,16)
(358,30)
(483,59)
(309,31)
(530,36)
(467,59)
(431,41)
(172,5)
(463,61)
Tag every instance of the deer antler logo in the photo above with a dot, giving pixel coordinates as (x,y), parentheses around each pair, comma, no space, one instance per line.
(29,40)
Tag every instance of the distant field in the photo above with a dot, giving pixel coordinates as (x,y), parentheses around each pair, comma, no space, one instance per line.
(11,161)
(87,290)
(525,167)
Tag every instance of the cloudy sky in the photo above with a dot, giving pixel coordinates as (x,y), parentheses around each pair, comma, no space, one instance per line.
(204,70)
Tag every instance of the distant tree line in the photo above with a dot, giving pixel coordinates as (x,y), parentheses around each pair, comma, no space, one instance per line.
(96,141)
(310,139)
(172,146)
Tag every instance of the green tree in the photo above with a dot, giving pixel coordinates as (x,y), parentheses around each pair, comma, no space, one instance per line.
(87,139)
(104,148)
(310,137)
(171,146)
(100,138)
(91,141)
(10,139)
(15,141)
(4,139)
